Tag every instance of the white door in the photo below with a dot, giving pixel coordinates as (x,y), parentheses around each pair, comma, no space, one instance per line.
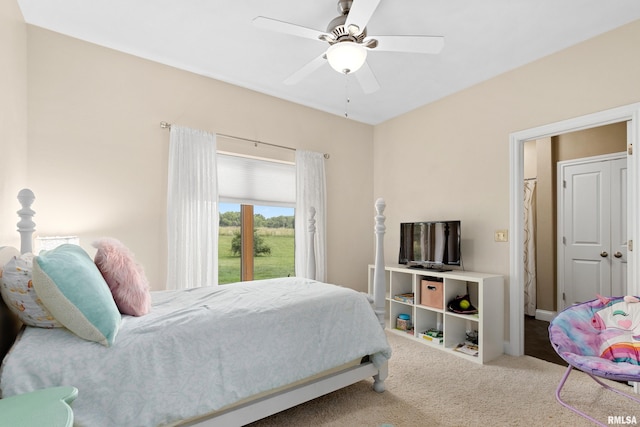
(619,233)
(592,228)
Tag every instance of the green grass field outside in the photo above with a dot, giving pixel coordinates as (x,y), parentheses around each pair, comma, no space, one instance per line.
(280,263)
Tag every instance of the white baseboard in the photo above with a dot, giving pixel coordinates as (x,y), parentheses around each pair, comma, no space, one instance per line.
(545,315)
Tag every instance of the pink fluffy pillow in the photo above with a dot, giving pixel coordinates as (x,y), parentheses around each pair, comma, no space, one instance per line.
(124,275)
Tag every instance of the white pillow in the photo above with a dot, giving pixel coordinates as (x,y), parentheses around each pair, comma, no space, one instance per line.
(18,293)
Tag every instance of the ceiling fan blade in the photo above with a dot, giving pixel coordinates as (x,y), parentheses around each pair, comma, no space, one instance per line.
(411,44)
(287,28)
(360,13)
(303,72)
(367,79)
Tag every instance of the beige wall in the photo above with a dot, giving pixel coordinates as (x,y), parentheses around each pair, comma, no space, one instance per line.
(591,142)
(450,159)
(98,157)
(13,116)
(545,225)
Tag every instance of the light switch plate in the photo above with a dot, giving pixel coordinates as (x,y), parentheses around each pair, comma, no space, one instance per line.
(501,236)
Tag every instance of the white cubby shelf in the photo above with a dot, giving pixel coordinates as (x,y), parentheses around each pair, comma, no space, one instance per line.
(486,292)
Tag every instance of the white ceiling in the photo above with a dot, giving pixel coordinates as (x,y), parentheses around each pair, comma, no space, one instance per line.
(217,39)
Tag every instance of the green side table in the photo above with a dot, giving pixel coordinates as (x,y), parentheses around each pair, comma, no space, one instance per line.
(49,407)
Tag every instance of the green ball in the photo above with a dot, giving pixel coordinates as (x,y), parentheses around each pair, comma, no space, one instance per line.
(464,304)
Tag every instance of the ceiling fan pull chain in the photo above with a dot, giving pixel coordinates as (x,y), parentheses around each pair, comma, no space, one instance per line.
(346,95)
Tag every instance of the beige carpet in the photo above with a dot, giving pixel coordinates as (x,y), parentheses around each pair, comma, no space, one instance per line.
(427,387)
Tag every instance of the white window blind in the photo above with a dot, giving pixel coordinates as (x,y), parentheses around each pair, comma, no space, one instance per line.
(252,181)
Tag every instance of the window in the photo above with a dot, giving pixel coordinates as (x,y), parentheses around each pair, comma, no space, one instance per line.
(255,242)
(256,236)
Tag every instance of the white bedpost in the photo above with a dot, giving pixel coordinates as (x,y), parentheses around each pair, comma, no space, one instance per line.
(379,280)
(311,249)
(26,226)
(379,288)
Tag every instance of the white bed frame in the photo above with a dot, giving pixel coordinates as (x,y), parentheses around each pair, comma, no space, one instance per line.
(287,398)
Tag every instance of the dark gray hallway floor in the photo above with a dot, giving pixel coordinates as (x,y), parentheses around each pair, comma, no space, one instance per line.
(536,341)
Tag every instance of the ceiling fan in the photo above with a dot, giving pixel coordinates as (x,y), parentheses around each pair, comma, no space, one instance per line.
(349,43)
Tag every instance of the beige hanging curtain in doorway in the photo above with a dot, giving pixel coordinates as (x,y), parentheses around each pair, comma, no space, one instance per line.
(530,279)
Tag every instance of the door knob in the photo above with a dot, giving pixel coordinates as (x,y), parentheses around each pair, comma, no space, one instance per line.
(617,254)
(604,254)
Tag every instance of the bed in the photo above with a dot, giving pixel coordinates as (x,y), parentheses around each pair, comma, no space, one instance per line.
(275,344)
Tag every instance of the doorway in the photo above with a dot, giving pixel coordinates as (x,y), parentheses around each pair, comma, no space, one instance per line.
(543,285)
(629,114)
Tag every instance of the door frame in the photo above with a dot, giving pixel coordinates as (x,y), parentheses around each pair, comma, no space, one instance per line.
(631,115)
(560,199)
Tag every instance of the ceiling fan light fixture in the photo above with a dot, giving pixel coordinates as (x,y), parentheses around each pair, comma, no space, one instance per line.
(346,57)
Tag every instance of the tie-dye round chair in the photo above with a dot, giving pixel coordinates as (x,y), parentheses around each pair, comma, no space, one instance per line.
(600,338)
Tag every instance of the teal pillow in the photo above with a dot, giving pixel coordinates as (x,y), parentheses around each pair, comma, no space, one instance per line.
(71,287)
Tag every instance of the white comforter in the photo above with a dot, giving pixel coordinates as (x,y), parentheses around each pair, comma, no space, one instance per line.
(200,350)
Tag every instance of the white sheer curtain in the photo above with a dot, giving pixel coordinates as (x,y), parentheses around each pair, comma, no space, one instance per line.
(530,279)
(192,209)
(310,192)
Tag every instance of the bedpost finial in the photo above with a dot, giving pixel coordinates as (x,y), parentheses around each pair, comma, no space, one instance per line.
(26,226)
(26,197)
(380,205)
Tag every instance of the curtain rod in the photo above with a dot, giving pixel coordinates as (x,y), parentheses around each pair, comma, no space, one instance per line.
(166,125)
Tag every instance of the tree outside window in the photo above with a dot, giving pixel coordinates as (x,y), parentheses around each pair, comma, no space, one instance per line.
(255,242)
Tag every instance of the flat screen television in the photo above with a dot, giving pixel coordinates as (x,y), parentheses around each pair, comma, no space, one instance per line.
(430,244)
